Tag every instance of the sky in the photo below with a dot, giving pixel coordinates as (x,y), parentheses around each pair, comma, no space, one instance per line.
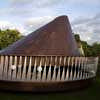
(28,15)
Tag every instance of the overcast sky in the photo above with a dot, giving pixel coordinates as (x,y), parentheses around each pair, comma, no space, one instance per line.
(28,15)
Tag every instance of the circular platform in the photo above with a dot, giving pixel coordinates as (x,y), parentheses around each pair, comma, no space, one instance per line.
(41,74)
(45,86)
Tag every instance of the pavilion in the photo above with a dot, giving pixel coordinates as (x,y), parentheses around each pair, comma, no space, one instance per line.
(48,59)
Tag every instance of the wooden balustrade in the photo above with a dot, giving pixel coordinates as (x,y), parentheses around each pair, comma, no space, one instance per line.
(47,68)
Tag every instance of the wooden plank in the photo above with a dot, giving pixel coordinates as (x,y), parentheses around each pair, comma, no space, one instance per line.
(85,67)
(84,73)
(29,69)
(5,68)
(44,71)
(78,75)
(81,68)
(24,69)
(54,72)
(14,69)
(76,65)
(58,75)
(63,73)
(9,69)
(71,73)
(34,70)
(39,69)
(96,64)
(1,66)
(83,59)
(68,64)
(49,72)
(19,68)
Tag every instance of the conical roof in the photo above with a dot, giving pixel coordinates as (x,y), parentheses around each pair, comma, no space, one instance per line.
(54,38)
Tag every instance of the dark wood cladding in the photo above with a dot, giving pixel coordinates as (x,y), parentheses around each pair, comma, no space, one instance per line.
(45,86)
(55,38)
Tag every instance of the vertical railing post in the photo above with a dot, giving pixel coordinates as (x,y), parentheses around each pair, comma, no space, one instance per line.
(96,64)
(81,67)
(39,70)
(5,68)
(29,69)
(86,71)
(49,72)
(54,71)
(71,67)
(59,72)
(83,63)
(78,75)
(63,73)
(88,64)
(68,65)
(10,69)
(24,68)
(14,71)
(75,71)
(19,68)
(1,66)
(44,71)
(34,70)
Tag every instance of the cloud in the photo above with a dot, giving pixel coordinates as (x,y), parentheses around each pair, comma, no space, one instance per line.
(26,8)
(81,20)
(32,14)
(19,2)
(40,3)
(88,28)
(53,2)
(31,24)
(7,25)
(4,24)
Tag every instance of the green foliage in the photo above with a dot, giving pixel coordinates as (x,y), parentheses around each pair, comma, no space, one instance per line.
(8,36)
(77,37)
(89,50)
(96,49)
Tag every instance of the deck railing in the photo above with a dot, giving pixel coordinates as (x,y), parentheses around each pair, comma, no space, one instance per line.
(47,68)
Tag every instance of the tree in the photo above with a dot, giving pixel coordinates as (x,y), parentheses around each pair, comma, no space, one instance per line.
(77,37)
(96,49)
(8,36)
(79,44)
(89,50)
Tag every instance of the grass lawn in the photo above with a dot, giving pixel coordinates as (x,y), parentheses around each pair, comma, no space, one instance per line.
(90,93)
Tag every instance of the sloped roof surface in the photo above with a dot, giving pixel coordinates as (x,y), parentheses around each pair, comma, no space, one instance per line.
(54,38)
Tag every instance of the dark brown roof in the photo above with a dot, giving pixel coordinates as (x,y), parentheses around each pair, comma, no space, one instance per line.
(55,38)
